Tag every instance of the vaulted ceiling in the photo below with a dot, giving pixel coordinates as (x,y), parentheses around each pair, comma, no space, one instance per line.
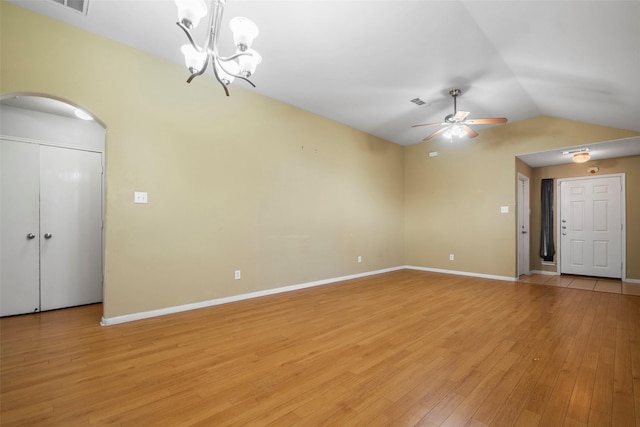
(361,62)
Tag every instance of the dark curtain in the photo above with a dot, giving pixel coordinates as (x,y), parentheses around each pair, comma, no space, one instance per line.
(546,230)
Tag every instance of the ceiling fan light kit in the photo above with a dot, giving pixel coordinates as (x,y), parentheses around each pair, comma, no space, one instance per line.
(198,58)
(456,124)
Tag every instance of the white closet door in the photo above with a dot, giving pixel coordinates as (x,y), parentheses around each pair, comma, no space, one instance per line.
(19,230)
(70,227)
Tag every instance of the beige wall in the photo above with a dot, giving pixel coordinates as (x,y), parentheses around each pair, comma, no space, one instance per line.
(243,182)
(452,201)
(249,183)
(630,166)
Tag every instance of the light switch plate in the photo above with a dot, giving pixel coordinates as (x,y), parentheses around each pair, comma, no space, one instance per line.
(140,197)
(504,209)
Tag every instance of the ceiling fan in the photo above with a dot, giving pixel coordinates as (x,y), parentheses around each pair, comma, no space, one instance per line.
(456,124)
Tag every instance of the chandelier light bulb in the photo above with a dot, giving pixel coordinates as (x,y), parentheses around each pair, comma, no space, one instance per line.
(226,74)
(193,59)
(248,63)
(190,12)
(244,31)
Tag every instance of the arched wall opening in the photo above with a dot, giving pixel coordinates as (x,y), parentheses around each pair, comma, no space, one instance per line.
(70,162)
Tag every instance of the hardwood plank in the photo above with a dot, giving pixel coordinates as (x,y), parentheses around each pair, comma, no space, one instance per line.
(623,402)
(634,346)
(401,348)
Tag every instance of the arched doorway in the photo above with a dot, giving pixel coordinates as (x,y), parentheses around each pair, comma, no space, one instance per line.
(51,205)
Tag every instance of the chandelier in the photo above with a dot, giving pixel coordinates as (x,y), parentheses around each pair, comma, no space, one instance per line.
(240,65)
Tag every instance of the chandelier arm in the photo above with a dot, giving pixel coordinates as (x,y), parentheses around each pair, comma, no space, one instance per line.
(188,33)
(234,56)
(215,73)
(199,73)
(237,76)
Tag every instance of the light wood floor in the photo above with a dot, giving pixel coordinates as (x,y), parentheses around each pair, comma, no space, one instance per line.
(404,348)
(597,284)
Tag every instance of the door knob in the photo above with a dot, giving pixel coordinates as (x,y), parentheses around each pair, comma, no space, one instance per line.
(31,236)
(47,235)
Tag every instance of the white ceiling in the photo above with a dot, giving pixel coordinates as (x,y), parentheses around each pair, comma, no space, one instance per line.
(597,151)
(361,62)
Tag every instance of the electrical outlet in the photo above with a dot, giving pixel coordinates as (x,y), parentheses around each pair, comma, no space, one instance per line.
(139,197)
(451,257)
(237,275)
(359,259)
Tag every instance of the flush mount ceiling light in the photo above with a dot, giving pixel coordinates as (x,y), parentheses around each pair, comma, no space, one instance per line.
(81,114)
(580,155)
(240,65)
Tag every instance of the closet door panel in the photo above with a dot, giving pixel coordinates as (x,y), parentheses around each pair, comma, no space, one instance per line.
(19,228)
(70,227)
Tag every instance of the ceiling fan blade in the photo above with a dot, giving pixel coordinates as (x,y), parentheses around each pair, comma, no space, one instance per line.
(426,124)
(491,121)
(470,132)
(460,116)
(438,132)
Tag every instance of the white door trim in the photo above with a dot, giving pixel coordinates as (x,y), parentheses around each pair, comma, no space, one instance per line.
(623,218)
(523,210)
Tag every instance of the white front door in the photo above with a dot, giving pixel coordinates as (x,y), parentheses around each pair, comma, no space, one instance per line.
(19,228)
(523,225)
(71,227)
(591,226)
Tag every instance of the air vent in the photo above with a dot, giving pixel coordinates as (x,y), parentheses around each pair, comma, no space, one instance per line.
(77,5)
(418,101)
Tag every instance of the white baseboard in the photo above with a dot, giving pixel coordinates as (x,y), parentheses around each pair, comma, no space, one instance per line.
(634,281)
(108,321)
(462,273)
(548,273)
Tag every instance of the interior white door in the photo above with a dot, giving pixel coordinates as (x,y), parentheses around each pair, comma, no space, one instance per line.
(591,227)
(19,229)
(523,224)
(70,227)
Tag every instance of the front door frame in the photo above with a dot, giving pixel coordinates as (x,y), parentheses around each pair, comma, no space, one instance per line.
(523,226)
(623,219)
